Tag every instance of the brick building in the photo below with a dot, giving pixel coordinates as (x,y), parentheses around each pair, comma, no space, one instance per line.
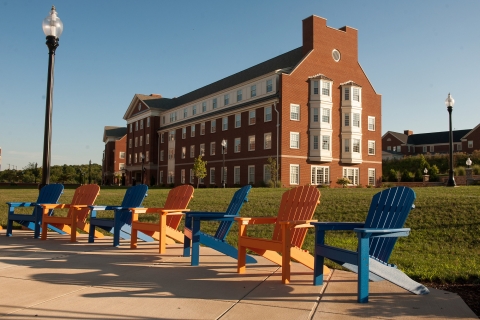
(312,108)
(113,161)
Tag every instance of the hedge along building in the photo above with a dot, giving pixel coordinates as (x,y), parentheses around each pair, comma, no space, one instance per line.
(312,108)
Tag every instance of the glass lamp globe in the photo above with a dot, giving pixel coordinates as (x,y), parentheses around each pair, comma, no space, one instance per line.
(52,25)
(449,101)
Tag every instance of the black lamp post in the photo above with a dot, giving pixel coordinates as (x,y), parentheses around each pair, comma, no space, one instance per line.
(449,103)
(224,145)
(143,162)
(52,27)
(90,172)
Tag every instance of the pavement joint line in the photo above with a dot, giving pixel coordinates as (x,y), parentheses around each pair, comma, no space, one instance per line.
(238,301)
(322,291)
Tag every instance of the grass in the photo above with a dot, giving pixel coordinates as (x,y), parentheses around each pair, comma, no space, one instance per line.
(443,247)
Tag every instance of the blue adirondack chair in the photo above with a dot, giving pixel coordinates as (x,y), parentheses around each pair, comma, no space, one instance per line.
(121,223)
(376,238)
(195,237)
(49,194)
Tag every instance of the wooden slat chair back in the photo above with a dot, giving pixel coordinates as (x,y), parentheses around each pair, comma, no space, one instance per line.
(48,194)
(178,198)
(77,214)
(238,199)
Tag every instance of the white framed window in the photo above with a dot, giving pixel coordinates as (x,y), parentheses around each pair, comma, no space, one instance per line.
(269,85)
(356,120)
(315,142)
(320,175)
(268,114)
(356,145)
(173,116)
(182,176)
(136,142)
(214,103)
(147,139)
(325,88)
(459,147)
(226,99)
(161,176)
(251,174)
(171,177)
(294,174)
(136,157)
(121,155)
(130,128)
(161,137)
(326,115)
(352,175)
(356,94)
(147,156)
(162,155)
(236,175)
(194,110)
(267,173)
(346,95)
(315,114)
(192,177)
(202,149)
(185,113)
(315,87)
(371,177)
(346,144)
(371,123)
(171,135)
(213,126)
(390,148)
(192,151)
(141,141)
(432,148)
(294,140)
(163,119)
(294,112)
(141,124)
(121,166)
(192,131)
(136,125)
(371,147)
(325,142)
(184,133)
(253,90)
(130,159)
(238,120)
(212,175)
(204,106)
(424,149)
(251,143)
(407,146)
(148,122)
(202,128)
(347,119)
(237,145)
(239,95)
(252,117)
(224,123)
(184,152)
(171,153)
(129,143)
(267,140)
(212,148)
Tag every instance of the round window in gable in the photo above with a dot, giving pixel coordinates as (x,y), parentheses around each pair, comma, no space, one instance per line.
(336,55)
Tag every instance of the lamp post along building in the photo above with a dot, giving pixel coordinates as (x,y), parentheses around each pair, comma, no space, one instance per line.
(313,109)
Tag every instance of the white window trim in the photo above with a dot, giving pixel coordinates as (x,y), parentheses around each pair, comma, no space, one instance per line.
(325,175)
(371,121)
(297,111)
(298,135)
(374,147)
(292,182)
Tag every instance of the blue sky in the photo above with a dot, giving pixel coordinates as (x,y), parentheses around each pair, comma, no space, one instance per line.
(414,53)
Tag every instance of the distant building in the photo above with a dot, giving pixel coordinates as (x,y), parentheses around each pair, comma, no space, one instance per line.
(114,155)
(0,158)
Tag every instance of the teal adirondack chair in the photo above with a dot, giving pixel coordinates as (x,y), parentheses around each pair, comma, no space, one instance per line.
(49,194)
(121,224)
(193,235)
(388,212)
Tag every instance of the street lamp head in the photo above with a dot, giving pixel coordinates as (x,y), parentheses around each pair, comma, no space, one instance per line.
(469,162)
(224,143)
(449,101)
(52,25)
(425,171)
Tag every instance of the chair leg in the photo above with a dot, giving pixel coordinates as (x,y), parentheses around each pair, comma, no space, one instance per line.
(91,232)
(133,238)
(73,231)
(363,269)
(44,231)
(162,240)
(286,253)
(195,242)
(9,228)
(242,251)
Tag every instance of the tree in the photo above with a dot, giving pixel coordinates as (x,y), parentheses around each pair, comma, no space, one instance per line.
(272,166)
(343,182)
(199,169)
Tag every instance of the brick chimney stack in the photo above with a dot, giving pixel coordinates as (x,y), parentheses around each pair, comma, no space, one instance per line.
(408,132)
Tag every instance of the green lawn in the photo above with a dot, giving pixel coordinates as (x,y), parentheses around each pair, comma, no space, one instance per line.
(444,245)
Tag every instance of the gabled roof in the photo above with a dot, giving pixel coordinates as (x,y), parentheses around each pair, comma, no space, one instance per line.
(400,136)
(436,137)
(320,76)
(350,83)
(114,132)
(471,131)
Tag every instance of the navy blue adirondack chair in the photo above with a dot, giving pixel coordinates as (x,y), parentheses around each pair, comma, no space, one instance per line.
(388,212)
(49,194)
(195,237)
(121,223)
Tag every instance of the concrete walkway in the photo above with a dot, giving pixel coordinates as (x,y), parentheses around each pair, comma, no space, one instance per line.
(55,279)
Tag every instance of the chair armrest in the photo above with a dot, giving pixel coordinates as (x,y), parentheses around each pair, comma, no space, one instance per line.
(98,208)
(21,204)
(258,220)
(211,216)
(157,210)
(337,225)
(299,222)
(382,233)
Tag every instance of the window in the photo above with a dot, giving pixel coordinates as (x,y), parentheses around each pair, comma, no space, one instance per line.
(326,115)
(431,148)
(347,120)
(136,157)
(192,131)
(389,148)
(130,159)
(356,120)
(356,145)
(424,149)
(121,155)
(214,103)
(371,147)
(171,135)
(194,110)
(212,175)
(130,128)
(315,87)
(320,175)
(147,156)
(163,119)
(192,177)
(294,112)
(226,99)
(459,147)
(470,144)
(173,116)
(326,88)
(141,141)
(213,126)
(315,114)
(237,145)
(239,95)
(251,143)
(347,145)
(325,142)
(294,140)
(236,175)
(202,128)
(184,152)
(238,120)
(171,177)
(161,155)
(204,106)
(147,139)
(252,117)
(171,153)
(185,112)
(192,151)
(351,174)
(346,93)
(184,133)
(253,90)
(148,122)
(161,137)
(315,142)
(356,94)
(371,177)
(224,123)
(408,148)
(371,123)
(294,174)
(136,125)
(182,176)
(394,148)
(129,143)
(212,148)
(136,141)
(141,124)
(161,176)
(267,138)
(269,85)
(251,174)
(268,114)
(121,166)
(267,173)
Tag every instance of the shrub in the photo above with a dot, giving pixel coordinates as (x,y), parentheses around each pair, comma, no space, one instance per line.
(343,182)
(476,169)
(460,171)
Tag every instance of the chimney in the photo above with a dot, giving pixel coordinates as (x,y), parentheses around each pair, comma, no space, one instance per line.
(408,132)
(156,95)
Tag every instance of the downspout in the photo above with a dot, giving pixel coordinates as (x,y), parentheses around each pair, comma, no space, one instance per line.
(278,128)
(158,159)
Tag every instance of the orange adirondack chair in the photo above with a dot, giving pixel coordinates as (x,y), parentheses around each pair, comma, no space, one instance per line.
(165,231)
(294,216)
(83,197)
